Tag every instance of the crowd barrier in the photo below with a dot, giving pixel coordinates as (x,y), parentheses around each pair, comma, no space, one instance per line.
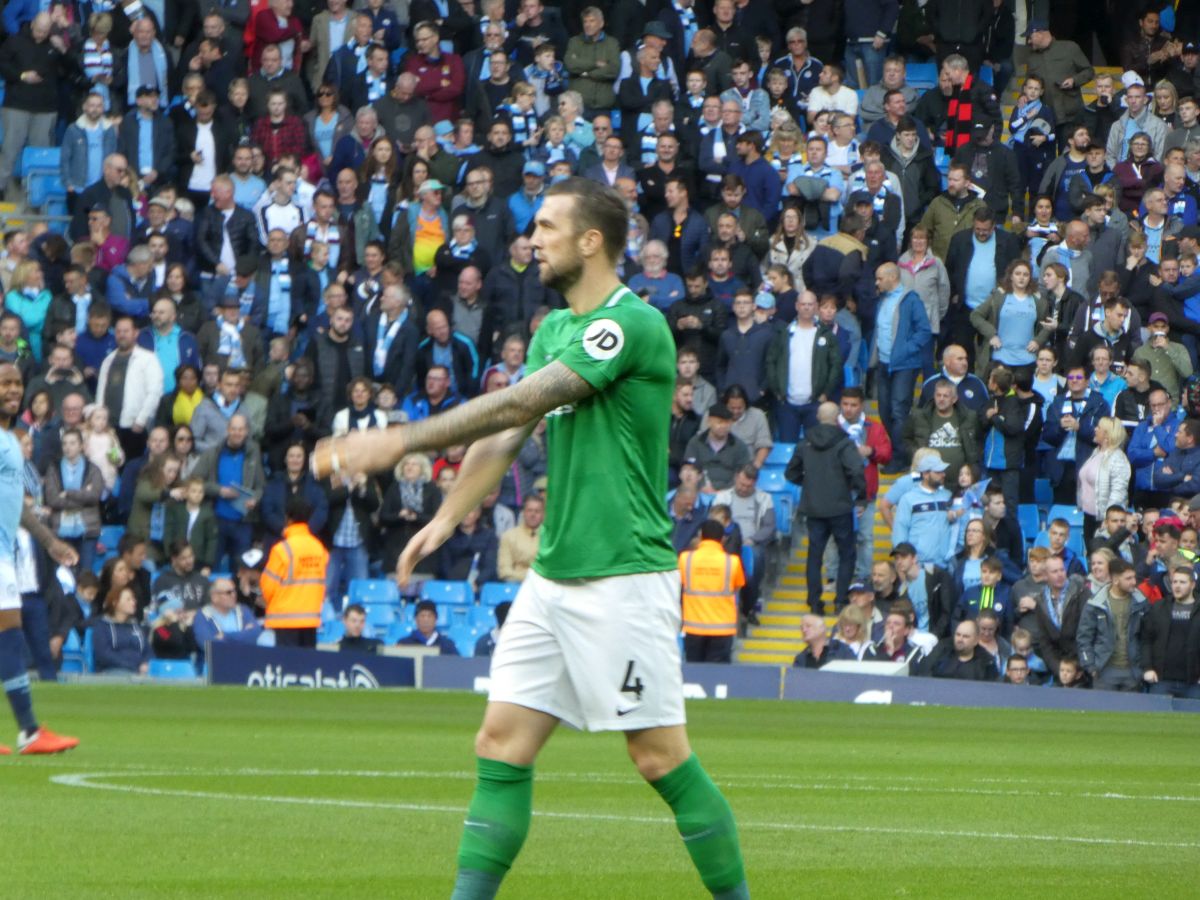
(273,668)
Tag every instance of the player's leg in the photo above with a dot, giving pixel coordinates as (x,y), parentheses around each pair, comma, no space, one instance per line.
(529,696)
(31,738)
(664,758)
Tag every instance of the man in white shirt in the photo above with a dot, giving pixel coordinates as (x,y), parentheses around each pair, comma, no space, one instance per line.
(276,208)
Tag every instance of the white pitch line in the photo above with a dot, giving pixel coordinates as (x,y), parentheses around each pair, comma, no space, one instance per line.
(733,781)
(88,781)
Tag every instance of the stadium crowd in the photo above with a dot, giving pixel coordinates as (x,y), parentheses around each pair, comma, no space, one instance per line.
(290,219)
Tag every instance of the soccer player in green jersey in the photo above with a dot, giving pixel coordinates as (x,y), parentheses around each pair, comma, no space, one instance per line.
(591,639)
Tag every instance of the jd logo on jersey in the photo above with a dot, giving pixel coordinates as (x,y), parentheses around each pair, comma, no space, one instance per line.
(603,339)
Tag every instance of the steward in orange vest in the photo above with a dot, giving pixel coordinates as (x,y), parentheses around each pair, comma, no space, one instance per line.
(711,579)
(293,583)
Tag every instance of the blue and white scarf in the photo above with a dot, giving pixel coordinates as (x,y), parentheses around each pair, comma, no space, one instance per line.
(160,71)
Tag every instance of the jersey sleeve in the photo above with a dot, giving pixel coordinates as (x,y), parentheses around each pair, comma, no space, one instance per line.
(607,347)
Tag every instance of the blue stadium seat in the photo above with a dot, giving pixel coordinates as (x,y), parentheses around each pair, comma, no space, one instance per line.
(89,653)
(377,591)
(399,629)
(331,632)
(1030,520)
(110,535)
(380,616)
(172,668)
(1073,515)
(42,187)
(72,654)
(494,593)
(456,593)
(328,613)
(460,616)
(779,455)
(921,76)
(41,159)
(482,618)
(1043,493)
(464,639)
(771,480)
(785,508)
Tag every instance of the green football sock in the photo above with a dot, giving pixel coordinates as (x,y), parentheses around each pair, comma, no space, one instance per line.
(496,826)
(706,825)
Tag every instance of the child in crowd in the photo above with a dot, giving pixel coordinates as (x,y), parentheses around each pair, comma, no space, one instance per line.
(101,446)
(1042,231)
(1022,645)
(991,593)
(548,77)
(526,132)
(193,520)
(98,56)
(1031,127)
(554,147)
(1070,675)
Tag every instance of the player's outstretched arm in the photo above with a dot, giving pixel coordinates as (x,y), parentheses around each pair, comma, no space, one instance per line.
(482,468)
(379,450)
(60,551)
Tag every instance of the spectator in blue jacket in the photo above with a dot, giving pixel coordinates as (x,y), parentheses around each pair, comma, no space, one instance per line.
(902,340)
(173,346)
(681,229)
(972,392)
(87,141)
(525,203)
(763,187)
(118,642)
(991,593)
(131,286)
(1179,471)
(1070,431)
(426,633)
(1153,438)
(923,514)
(224,619)
(294,479)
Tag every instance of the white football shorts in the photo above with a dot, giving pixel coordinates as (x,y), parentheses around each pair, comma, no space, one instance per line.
(600,654)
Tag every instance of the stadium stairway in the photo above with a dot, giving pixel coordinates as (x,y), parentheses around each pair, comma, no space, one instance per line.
(777,639)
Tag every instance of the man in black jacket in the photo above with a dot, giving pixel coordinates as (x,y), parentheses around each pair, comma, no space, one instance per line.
(110,192)
(697,321)
(830,470)
(984,237)
(993,167)
(30,63)
(391,340)
(219,219)
(1170,639)
(960,657)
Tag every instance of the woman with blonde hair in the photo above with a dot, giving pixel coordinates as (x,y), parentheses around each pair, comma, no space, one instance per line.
(1098,562)
(408,505)
(852,629)
(28,299)
(1103,479)
(791,245)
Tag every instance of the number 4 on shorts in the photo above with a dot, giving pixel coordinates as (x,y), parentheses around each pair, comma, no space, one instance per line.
(633,684)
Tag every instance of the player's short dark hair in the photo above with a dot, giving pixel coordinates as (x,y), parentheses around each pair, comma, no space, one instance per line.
(711,530)
(597,206)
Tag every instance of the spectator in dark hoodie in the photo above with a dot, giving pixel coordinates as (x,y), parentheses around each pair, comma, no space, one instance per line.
(829,466)
(960,657)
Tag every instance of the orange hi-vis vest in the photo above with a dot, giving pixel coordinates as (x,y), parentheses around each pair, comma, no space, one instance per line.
(711,578)
(293,583)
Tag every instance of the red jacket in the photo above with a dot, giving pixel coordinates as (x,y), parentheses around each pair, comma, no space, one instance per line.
(877,440)
(441,82)
(267,30)
(290,137)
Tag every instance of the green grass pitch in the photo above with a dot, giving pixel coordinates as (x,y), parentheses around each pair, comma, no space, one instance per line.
(183,792)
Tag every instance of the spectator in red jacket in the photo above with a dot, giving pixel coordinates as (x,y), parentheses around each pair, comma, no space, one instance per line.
(441,77)
(278,132)
(275,24)
(875,448)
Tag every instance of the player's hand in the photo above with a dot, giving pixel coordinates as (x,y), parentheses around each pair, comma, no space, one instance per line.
(63,553)
(424,543)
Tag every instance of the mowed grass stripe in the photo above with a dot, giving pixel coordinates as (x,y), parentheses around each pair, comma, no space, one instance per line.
(906,802)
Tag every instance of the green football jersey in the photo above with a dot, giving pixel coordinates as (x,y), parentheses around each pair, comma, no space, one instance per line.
(606,457)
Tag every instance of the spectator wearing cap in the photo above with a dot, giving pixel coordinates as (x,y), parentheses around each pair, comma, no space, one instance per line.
(230,340)
(718,452)
(994,169)
(147,139)
(830,469)
(923,515)
(930,589)
(421,229)
(761,181)
(425,634)
(525,203)
(1168,360)
(1064,69)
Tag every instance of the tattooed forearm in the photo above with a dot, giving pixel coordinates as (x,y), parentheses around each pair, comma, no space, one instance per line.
(529,400)
(36,528)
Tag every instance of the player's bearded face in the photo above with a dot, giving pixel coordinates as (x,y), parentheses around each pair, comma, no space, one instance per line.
(561,269)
